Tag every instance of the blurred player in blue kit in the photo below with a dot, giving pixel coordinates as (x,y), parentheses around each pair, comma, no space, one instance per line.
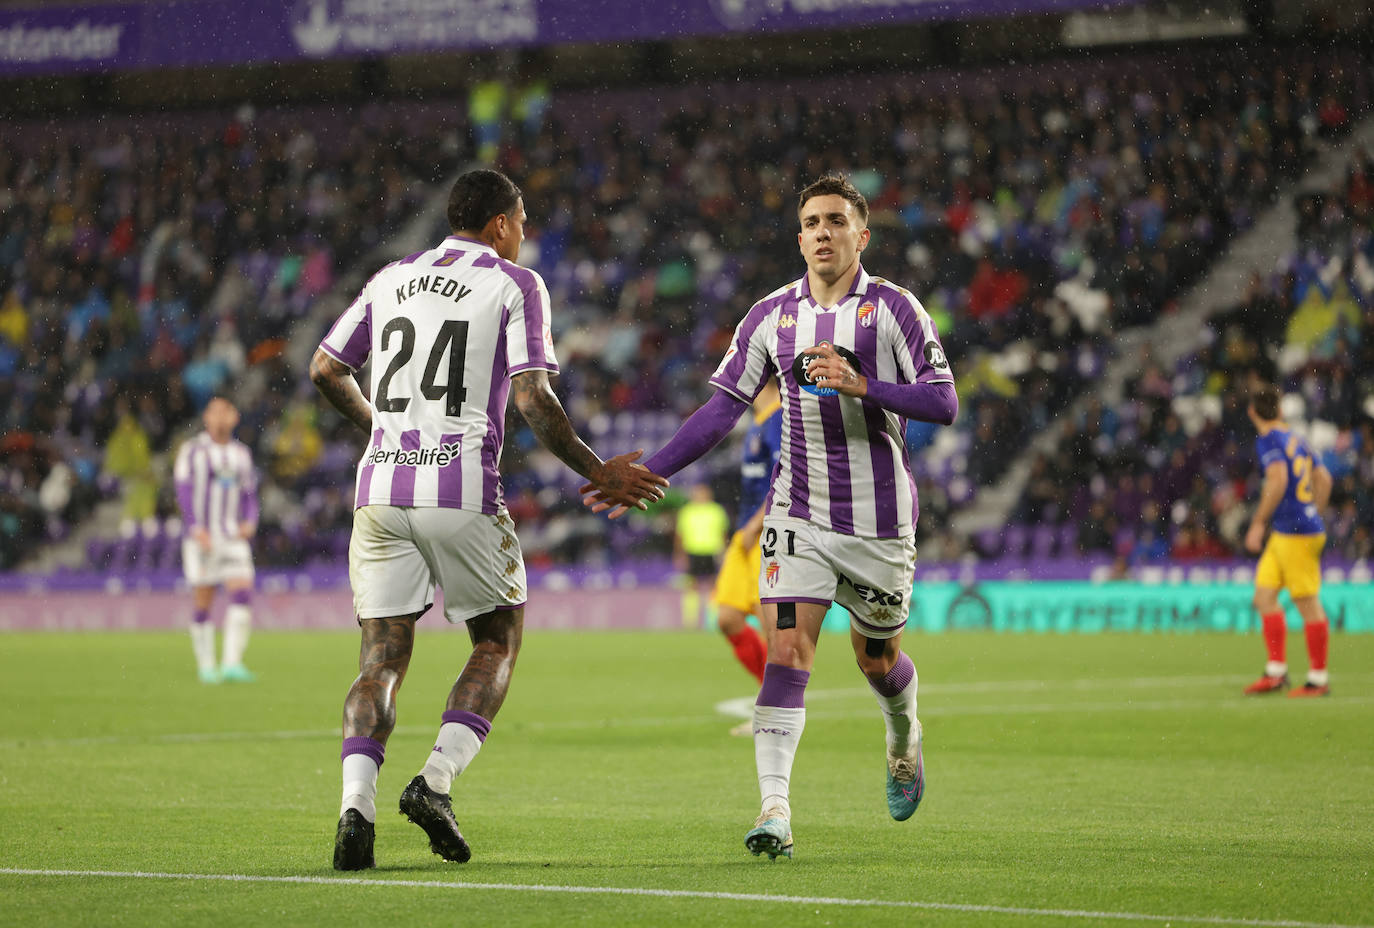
(1296,489)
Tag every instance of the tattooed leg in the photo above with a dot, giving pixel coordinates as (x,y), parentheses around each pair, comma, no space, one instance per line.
(482,686)
(472,703)
(370,709)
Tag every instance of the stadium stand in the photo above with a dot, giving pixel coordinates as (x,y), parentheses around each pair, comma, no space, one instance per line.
(1036,210)
(1164,474)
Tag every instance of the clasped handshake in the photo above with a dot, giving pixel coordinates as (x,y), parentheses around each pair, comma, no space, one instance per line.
(620,484)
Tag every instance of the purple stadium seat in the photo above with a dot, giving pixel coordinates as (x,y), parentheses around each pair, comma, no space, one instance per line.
(1015,537)
(1044,539)
(1125,540)
(1068,539)
(989,542)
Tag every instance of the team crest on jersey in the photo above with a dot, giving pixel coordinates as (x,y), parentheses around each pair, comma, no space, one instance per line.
(801,370)
(866,314)
(787,322)
(770,574)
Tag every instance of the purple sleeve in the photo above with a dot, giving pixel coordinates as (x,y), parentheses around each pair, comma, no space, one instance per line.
(350,339)
(186,501)
(925,402)
(248,506)
(702,431)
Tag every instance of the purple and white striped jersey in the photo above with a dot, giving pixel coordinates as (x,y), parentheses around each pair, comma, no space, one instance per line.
(217,487)
(844,463)
(446,329)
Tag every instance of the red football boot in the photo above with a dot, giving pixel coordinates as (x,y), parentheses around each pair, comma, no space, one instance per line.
(1267,684)
(1308,690)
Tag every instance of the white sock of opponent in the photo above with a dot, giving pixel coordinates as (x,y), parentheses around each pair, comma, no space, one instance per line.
(362,757)
(779,718)
(460,738)
(203,640)
(896,694)
(238,621)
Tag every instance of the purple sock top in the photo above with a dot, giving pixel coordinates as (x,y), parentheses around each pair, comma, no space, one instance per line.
(783,687)
(480,726)
(897,679)
(241,597)
(359,744)
(201,616)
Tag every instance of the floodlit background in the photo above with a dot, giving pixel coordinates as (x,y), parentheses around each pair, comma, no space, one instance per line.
(1119,214)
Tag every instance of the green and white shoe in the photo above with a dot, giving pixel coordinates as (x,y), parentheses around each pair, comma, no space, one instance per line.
(906,781)
(208,675)
(237,673)
(772,835)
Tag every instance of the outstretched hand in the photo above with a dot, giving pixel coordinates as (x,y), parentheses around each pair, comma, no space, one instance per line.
(620,484)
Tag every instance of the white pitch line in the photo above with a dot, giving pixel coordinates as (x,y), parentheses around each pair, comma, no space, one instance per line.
(743,708)
(740,708)
(685,894)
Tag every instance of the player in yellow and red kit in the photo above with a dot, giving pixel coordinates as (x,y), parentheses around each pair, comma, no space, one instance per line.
(1296,488)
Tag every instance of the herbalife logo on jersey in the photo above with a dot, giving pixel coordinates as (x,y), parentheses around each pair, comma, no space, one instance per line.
(442,456)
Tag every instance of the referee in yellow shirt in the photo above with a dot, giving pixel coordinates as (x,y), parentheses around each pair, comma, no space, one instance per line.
(703,529)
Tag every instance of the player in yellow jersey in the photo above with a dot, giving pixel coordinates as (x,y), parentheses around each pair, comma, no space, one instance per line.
(702,529)
(1296,489)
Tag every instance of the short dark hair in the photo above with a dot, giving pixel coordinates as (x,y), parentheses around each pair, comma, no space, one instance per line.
(478,196)
(1265,401)
(838,185)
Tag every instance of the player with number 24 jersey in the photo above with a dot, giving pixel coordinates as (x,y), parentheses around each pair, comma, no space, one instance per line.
(453,332)
(471,320)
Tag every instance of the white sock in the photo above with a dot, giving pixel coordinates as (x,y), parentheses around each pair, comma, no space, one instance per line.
(454,749)
(777,732)
(203,645)
(899,714)
(238,620)
(1318,677)
(1275,668)
(360,786)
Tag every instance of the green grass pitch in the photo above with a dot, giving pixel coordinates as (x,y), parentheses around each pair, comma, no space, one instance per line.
(1072,780)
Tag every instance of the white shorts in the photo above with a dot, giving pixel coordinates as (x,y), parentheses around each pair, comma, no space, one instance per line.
(227,559)
(397,554)
(871,577)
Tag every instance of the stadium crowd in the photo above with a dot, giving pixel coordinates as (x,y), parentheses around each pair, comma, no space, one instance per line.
(144,270)
(1035,213)
(1162,475)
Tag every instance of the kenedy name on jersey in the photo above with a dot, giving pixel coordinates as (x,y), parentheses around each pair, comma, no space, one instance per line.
(437,284)
(416,457)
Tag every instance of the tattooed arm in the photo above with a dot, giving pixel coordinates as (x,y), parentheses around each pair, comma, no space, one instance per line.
(335,380)
(619,479)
